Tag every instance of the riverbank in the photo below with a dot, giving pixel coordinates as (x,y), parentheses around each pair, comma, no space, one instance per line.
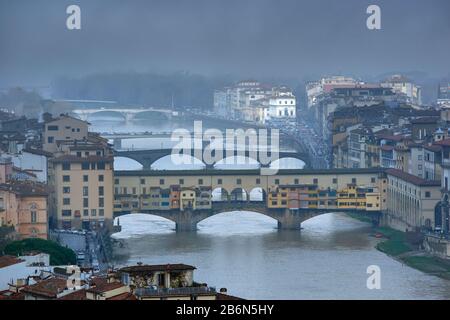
(406,248)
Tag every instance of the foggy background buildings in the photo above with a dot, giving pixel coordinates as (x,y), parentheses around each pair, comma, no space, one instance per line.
(148,51)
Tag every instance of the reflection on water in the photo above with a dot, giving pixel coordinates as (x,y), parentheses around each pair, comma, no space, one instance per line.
(244,252)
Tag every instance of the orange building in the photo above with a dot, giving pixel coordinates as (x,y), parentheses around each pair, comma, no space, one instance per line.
(23,205)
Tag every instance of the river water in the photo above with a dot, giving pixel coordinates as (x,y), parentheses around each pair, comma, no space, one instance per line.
(244,252)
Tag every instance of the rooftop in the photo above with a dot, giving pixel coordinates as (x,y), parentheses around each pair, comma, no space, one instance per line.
(412,178)
(6,261)
(158,267)
(49,288)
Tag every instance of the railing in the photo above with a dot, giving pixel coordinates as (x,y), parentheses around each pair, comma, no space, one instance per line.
(173,291)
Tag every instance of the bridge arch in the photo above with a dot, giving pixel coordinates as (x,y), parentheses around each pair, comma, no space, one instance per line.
(150,114)
(167,163)
(226,211)
(257,194)
(238,195)
(126,163)
(237,162)
(220,194)
(109,112)
(290,162)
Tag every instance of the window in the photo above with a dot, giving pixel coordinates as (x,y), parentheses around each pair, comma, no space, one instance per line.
(78,154)
(85,212)
(200,181)
(315,181)
(50,139)
(116,181)
(66,190)
(85,191)
(161,181)
(66,213)
(427,194)
(93,212)
(277,181)
(181,181)
(296,181)
(101,178)
(101,191)
(33,217)
(85,202)
(101,166)
(238,181)
(372,180)
(85,166)
(93,165)
(134,190)
(101,212)
(66,178)
(142,181)
(66,166)
(354,180)
(101,202)
(85,178)
(219,181)
(66,201)
(335,181)
(52,128)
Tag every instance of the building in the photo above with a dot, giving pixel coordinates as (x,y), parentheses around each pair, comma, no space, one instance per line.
(402,85)
(24,206)
(282,103)
(63,129)
(80,174)
(253,101)
(443,99)
(167,282)
(411,201)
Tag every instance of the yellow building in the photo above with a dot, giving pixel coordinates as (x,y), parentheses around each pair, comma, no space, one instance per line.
(63,129)
(81,176)
(187,199)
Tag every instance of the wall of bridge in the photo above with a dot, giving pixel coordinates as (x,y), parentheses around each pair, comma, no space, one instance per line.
(247,181)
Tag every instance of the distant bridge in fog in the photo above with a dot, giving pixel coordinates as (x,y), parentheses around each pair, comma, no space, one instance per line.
(126,113)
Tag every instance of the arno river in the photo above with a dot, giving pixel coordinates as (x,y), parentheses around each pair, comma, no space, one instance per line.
(244,252)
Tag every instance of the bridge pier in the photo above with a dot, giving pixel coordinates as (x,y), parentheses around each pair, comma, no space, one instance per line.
(290,220)
(185,221)
(117,143)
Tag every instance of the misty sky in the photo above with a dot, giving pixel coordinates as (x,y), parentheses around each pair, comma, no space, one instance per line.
(249,38)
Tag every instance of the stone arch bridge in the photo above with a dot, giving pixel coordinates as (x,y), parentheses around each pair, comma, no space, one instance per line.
(148,157)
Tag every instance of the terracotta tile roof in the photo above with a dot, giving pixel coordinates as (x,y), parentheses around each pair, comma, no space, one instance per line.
(158,267)
(76,159)
(10,295)
(25,188)
(444,143)
(124,296)
(104,287)
(433,147)
(38,152)
(6,261)
(412,178)
(49,288)
(223,296)
(76,295)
